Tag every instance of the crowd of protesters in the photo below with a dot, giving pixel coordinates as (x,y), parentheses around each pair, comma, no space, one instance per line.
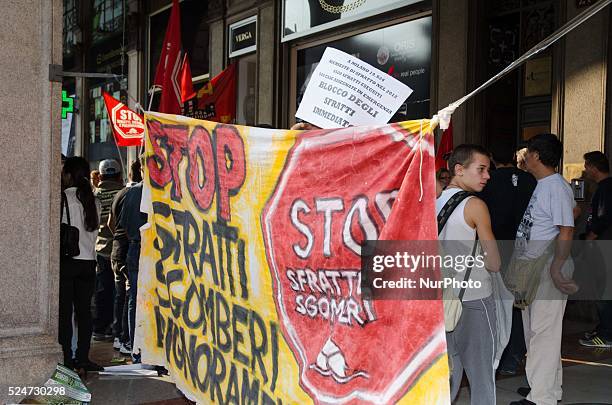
(528,203)
(99,284)
(516,197)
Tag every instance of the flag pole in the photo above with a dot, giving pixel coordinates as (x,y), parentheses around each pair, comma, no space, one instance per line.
(119,152)
(151,93)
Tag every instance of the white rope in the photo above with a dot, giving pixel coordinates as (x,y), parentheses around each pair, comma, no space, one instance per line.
(151,93)
(421,162)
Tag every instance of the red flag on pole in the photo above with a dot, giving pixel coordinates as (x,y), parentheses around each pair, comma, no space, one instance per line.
(128,126)
(169,66)
(216,101)
(445,147)
(187,92)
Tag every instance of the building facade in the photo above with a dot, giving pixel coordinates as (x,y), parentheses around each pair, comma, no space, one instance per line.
(442,49)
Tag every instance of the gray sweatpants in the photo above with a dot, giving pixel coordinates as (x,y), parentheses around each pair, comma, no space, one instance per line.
(471,347)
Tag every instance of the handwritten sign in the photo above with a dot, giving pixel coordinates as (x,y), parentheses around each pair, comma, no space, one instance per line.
(345,91)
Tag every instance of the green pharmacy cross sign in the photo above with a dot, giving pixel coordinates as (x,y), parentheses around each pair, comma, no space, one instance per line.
(67,104)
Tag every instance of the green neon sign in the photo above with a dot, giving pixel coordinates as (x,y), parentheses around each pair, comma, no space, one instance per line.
(67,104)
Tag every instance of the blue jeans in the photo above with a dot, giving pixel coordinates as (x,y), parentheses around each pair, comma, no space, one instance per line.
(122,288)
(104,298)
(132,267)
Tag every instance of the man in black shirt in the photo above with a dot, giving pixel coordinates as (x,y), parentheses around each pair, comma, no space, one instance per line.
(507,195)
(131,219)
(599,227)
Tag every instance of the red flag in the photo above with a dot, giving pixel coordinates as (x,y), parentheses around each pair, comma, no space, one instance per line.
(445,147)
(128,126)
(217,99)
(169,66)
(187,92)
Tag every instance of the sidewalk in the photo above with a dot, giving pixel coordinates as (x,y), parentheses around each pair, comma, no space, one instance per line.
(582,384)
(587,378)
(587,373)
(122,390)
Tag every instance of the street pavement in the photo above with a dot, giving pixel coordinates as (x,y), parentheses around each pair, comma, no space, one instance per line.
(587,378)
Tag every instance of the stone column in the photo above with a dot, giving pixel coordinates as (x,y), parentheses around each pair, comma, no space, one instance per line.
(216,32)
(585,89)
(29,192)
(452,60)
(265,64)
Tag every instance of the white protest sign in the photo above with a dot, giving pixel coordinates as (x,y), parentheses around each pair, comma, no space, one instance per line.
(344,91)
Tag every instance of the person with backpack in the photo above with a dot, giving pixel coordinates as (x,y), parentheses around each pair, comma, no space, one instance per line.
(465,230)
(118,263)
(110,184)
(80,210)
(542,252)
(132,219)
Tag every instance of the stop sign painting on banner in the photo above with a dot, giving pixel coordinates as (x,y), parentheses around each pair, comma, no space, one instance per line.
(128,126)
(250,282)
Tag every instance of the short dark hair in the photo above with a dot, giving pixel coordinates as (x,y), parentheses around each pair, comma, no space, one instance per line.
(441,171)
(504,156)
(463,155)
(135,174)
(598,160)
(548,147)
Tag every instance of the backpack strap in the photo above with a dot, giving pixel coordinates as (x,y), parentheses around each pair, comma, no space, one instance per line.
(443,217)
(449,207)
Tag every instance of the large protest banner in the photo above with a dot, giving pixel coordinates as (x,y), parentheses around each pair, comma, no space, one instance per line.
(249,289)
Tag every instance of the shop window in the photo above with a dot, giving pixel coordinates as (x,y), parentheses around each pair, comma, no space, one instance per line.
(402,50)
(246,97)
(71,32)
(518,105)
(69,117)
(538,23)
(107,18)
(98,133)
(530,132)
(194,37)
(302,17)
